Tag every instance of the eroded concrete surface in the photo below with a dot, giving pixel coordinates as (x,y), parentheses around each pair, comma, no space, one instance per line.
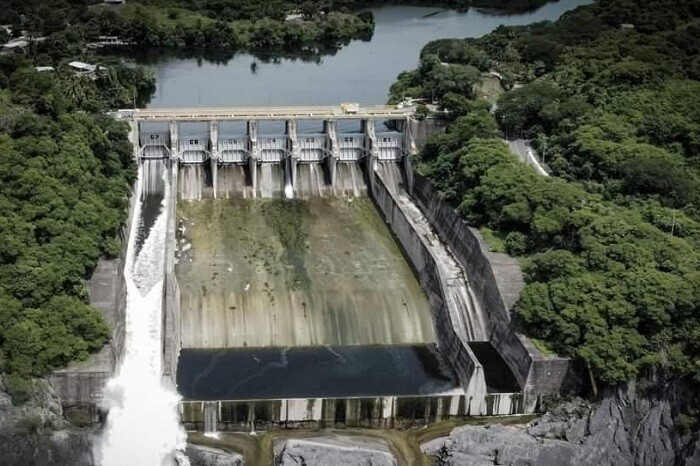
(325,271)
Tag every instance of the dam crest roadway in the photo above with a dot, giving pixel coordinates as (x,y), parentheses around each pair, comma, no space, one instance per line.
(343,111)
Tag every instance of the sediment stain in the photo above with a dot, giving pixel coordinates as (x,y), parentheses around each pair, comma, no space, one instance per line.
(322,271)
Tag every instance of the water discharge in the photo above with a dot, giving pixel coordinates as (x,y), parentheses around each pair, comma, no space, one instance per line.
(143,426)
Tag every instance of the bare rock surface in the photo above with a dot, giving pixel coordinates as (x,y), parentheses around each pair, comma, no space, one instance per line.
(335,451)
(627,428)
(206,456)
(41,410)
(34,433)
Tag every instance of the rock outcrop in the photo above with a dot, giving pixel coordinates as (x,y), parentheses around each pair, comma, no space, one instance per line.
(629,427)
(335,451)
(206,456)
(35,432)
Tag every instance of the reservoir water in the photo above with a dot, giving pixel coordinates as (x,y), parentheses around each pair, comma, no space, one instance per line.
(359,72)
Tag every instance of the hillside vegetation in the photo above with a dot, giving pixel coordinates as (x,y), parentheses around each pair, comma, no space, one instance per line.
(610,245)
(290,26)
(65,175)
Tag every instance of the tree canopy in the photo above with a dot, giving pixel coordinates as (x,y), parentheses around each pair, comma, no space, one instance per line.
(65,175)
(610,245)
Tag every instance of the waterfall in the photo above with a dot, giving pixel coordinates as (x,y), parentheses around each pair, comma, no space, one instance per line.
(210,415)
(349,180)
(232,182)
(391,174)
(143,425)
(151,181)
(270,180)
(194,182)
(310,181)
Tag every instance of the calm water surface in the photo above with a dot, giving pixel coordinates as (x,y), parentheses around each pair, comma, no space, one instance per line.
(360,72)
(338,371)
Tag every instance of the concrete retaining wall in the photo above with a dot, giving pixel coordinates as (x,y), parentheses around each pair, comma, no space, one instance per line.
(495,278)
(77,388)
(497,281)
(171,288)
(314,413)
(421,130)
(452,345)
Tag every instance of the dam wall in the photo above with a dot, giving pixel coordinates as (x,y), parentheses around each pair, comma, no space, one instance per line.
(195,181)
(497,281)
(171,289)
(317,413)
(450,329)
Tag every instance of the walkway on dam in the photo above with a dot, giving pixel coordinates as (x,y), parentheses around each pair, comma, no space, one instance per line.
(328,112)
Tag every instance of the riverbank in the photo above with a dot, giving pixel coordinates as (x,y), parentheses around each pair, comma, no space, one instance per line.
(177,27)
(358,72)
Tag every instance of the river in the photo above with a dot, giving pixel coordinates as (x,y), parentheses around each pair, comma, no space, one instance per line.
(360,72)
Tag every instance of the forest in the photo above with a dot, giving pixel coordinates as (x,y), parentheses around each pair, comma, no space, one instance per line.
(609,96)
(610,244)
(66,171)
(290,26)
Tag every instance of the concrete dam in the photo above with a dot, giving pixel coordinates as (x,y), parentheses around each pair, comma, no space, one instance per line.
(312,279)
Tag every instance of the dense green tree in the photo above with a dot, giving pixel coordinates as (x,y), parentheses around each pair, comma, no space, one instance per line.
(522,110)
(65,176)
(611,246)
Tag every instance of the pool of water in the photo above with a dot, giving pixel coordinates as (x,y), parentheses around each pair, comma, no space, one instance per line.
(320,372)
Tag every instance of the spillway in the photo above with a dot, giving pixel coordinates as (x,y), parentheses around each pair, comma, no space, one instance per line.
(278,272)
(305,309)
(312,290)
(143,423)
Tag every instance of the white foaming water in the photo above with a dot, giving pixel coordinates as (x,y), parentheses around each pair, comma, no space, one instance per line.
(143,425)
(289,191)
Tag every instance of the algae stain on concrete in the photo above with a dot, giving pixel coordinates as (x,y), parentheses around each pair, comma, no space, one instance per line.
(289,219)
(274,272)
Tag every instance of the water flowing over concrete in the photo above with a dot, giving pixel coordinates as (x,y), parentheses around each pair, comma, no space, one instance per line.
(143,426)
(472,321)
(311,181)
(275,272)
(195,182)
